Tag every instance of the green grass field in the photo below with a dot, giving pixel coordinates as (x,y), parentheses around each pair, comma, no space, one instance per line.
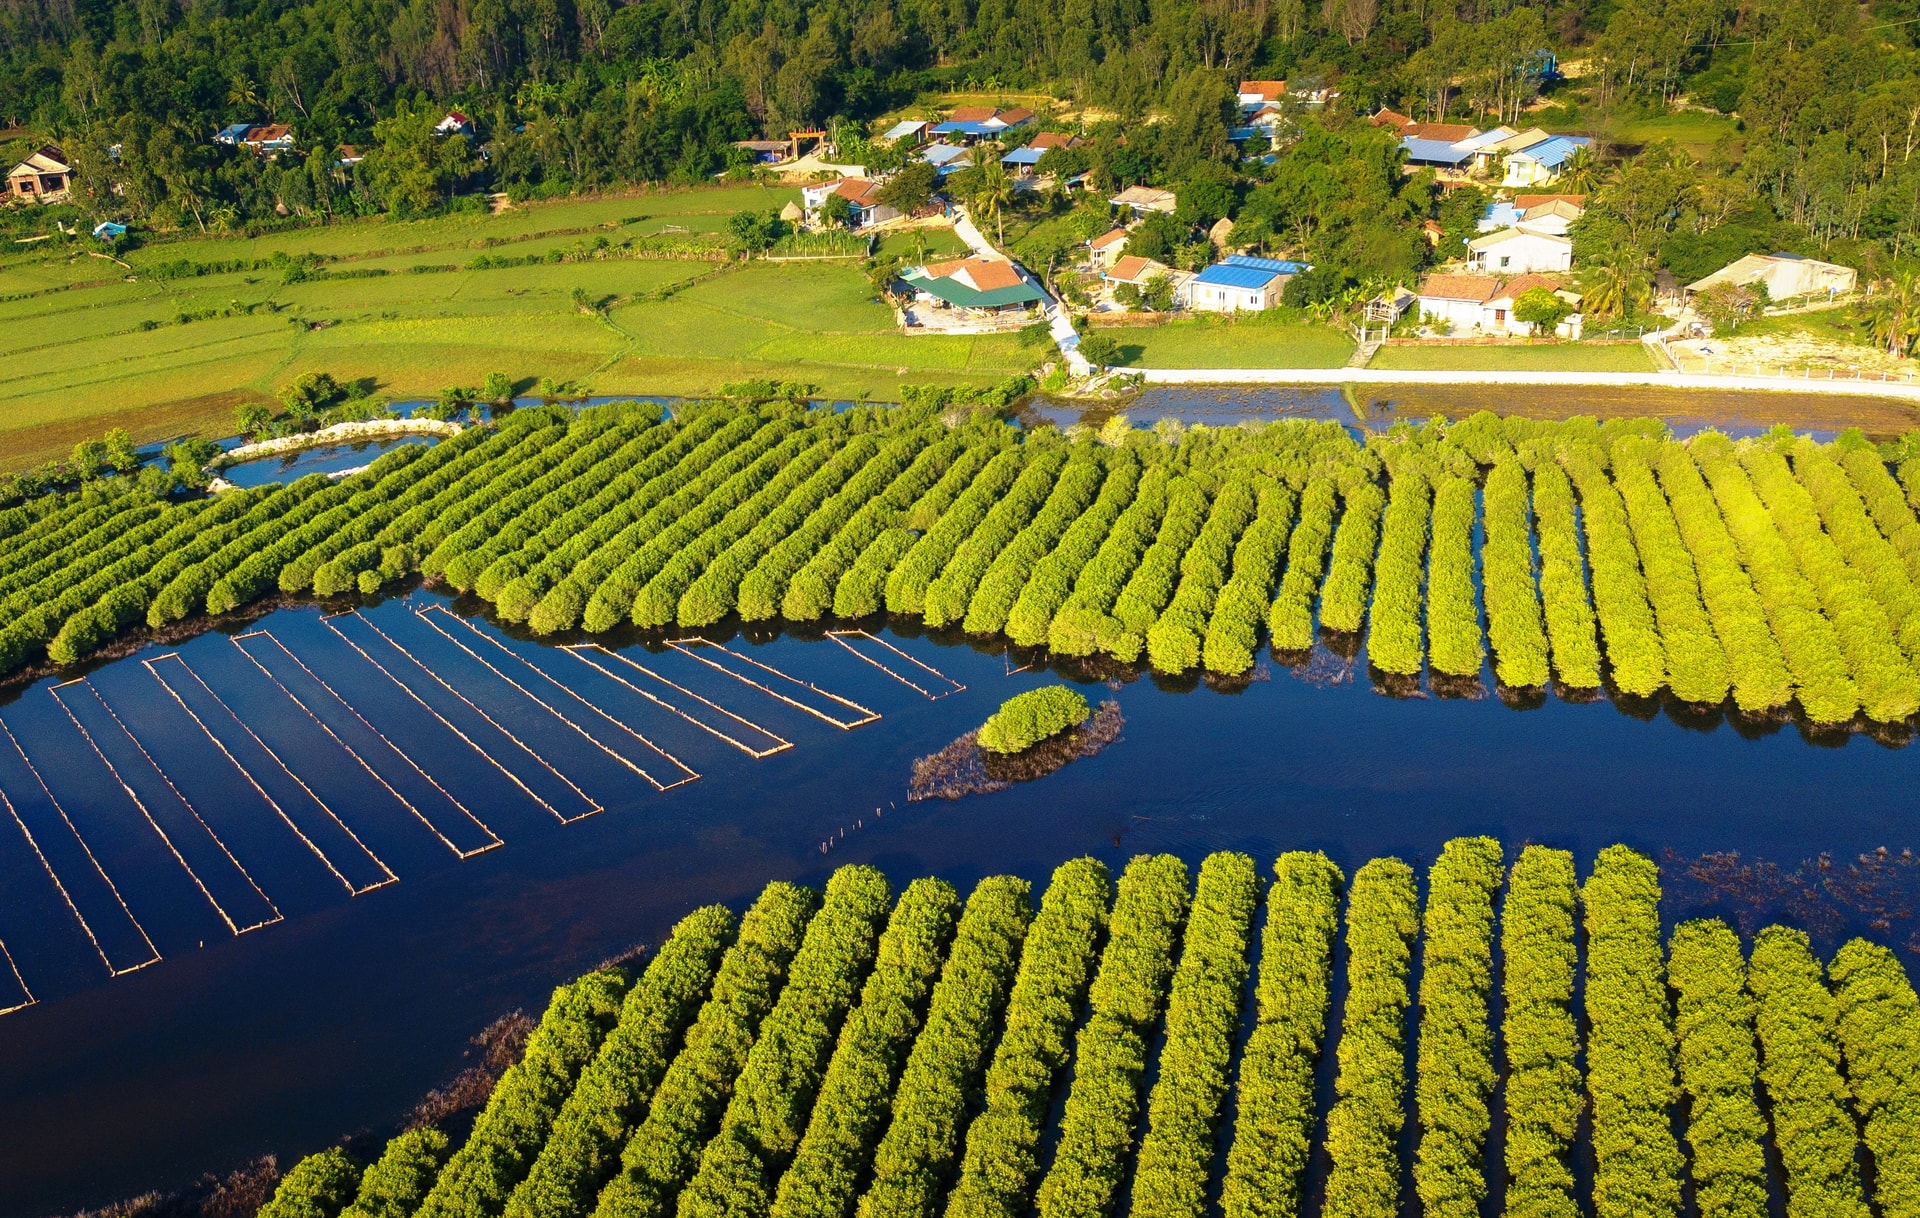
(114,352)
(1558,357)
(1219,343)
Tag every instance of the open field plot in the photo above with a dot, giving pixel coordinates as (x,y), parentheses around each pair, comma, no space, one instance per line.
(1543,357)
(1211,343)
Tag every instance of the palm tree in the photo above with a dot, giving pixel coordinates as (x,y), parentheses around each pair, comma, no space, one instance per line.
(1616,284)
(242,93)
(1582,173)
(1893,314)
(992,192)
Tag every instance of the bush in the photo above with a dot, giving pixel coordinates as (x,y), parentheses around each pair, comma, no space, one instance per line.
(1540,1034)
(1725,1128)
(1879,1029)
(1026,719)
(317,1187)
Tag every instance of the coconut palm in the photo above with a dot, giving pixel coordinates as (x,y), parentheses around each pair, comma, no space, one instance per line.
(992,193)
(1893,314)
(1582,173)
(1616,284)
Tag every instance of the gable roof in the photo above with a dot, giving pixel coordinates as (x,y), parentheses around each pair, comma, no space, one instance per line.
(1520,285)
(1134,269)
(1024,156)
(1474,289)
(1146,196)
(1054,139)
(1520,139)
(905,127)
(1014,117)
(974,283)
(861,192)
(269,134)
(1529,202)
(1384,117)
(1267,90)
(1552,152)
(972,114)
(1434,152)
(940,154)
(47,159)
(1110,237)
(1447,132)
(1487,139)
(1490,240)
(1275,266)
(1554,207)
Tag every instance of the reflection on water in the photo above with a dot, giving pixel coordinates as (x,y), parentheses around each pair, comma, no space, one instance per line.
(417,739)
(1377,407)
(326,459)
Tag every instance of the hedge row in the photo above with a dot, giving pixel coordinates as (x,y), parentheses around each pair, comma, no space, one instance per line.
(1203,1021)
(861,590)
(676,522)
(913,575)
(795,580)
(1563,579)
(949,595)
(1084,624)
(1085,488)
(1232,627)
(395,1183)
(613,1090)
(665,1148)
(1884,499)
(1174,638)
(1808,641)
(1394,639)
(1455,1076)
(1514,623)
(1030,621)
(576,571)
(1110,1054)
(1696,663)
(1871,556)
(36,565)
(1002,1154)
(1879,1029)
(1273,1129)
(1364,1126)
(1343,599)
(1290,620)
(1630,1043)
(1453,618)
(1889,687)
(511,1130)
(1539,1034)
(1755,664)
(750,524)
(767,1116)
(504,581)
(1152,583)
(918,1154)
(715,592)
(856,1095)
(1725,1129)
(1634,651)
(1800,1066)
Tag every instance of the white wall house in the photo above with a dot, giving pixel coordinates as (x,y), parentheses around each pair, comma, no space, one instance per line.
(1240,284)
(1519,251)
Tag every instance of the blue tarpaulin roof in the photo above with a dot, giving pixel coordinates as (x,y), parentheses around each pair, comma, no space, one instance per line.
(1434,152)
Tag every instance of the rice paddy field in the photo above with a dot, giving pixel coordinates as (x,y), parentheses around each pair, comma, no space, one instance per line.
(90,343)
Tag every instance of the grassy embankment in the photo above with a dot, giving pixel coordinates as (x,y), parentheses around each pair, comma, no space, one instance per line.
(89,345)
(1557,357)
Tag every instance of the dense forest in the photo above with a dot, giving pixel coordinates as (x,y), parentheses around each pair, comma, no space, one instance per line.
(568,95)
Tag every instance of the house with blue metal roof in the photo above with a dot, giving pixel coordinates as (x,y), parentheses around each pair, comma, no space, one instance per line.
(1540,163)
(1023,160)
(1240,283)
(1434,154)
(231,133)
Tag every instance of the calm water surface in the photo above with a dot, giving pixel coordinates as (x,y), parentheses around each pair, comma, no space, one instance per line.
(340,1011)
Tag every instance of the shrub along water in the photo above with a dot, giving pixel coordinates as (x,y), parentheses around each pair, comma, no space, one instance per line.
(1539,1034)
(1879,1027)
(1718,1069)
(1636,1170)
(1363,1129)
(1026,719)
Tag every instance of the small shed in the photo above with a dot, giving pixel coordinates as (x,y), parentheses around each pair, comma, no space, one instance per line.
(792,213)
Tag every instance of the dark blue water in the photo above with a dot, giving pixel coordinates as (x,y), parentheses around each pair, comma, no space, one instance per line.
(339,1011)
